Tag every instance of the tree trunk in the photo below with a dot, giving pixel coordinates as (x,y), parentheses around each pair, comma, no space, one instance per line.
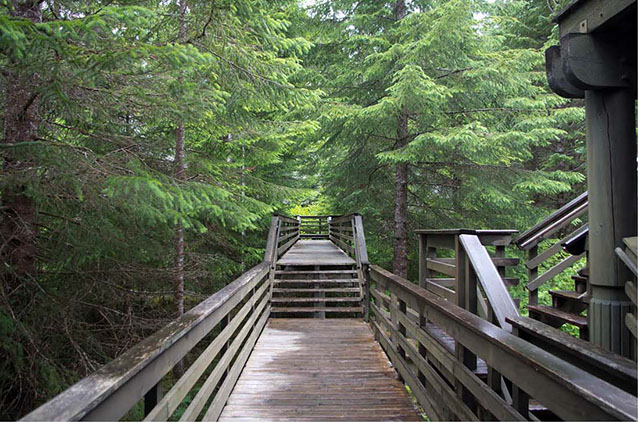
(21,122)
(400,258)
(180,136)
(179,231)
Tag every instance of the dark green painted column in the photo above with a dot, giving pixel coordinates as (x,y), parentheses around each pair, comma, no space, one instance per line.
(611,175)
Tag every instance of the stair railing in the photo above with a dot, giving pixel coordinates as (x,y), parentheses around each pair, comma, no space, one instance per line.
(444,380)
(217,336)
(346,231)
(551,227)
(450,260)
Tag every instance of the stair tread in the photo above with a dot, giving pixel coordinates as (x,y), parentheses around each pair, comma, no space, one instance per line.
(325,280)
(577,320)
(315,299)
(318,309)
(322,290)
(567,294)
(316,272)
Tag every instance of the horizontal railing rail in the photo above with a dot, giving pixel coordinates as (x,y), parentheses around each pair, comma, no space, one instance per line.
(234,316)
(443,379)
(557,220)
(314,226)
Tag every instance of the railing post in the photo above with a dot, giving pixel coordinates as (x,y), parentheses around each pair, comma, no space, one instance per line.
(366,293)
(395,308)
(422,350)
(423,264)
(500,253)
(532,273)
(461,260)
(152,397)
(466,297)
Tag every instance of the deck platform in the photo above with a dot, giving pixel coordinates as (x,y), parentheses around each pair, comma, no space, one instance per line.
(318,370)
(315,252)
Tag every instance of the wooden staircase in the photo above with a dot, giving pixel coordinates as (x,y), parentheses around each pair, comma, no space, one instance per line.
(568,306)
(317,292)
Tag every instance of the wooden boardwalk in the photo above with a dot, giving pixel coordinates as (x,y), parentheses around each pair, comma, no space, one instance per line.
(315,252)
(318,370)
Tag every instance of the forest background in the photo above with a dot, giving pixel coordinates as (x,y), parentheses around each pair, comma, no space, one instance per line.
(146,145)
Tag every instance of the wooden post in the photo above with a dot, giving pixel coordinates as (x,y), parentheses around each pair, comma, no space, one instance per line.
(532,273)
(395,306)
(461,259)
(152,397)
(500,253)
(366,293)
(423,265)
(422,349)
(467,299)
(611,183)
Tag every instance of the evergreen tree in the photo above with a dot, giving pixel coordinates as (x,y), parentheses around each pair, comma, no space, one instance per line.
(94,188)
(460,117)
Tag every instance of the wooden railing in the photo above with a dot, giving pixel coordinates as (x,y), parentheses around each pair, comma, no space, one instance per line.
(346,231)
(629,256)
(221,331)
(467,275)
(314,226)
(415,327)
(559,226)
(284,232)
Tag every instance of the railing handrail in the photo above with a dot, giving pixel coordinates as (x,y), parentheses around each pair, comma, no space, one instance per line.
(568,391)
(536,233)
(490,280)
(104,394)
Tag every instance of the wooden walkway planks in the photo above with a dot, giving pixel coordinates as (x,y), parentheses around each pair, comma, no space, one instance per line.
(318,370)
(315,252)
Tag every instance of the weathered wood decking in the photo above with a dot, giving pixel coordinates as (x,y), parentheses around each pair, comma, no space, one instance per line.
(315,252)
(318,370)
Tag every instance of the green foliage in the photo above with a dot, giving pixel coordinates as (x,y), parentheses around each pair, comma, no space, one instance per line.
(286,108)
(487,141)
(113,78)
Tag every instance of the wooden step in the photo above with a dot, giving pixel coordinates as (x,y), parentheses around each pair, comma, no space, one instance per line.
(584,272)
(344,309)
(323,290)
(568,301)
(314,299)
(318,281)
(316,272)
(556,316)
(580,283)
